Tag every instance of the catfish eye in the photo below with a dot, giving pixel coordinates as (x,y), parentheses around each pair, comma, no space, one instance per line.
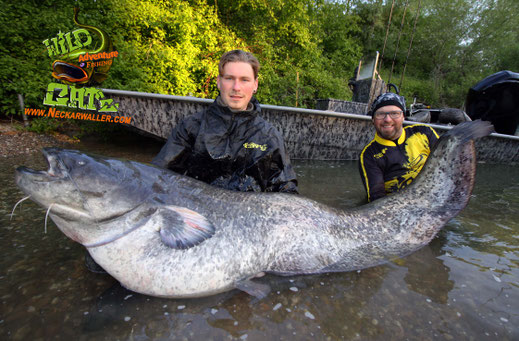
(81,163)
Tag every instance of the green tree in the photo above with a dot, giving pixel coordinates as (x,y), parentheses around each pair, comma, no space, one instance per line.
(169,47)
(495,35)
(174,46)
(24,59)
(455,44)
(306,48)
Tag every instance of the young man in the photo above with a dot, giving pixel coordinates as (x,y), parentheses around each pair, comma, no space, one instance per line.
(228,144)
(396,155)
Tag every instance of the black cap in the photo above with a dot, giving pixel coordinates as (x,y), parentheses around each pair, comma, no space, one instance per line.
(389,98)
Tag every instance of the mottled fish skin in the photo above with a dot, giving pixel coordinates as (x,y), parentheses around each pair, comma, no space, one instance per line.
(112,206)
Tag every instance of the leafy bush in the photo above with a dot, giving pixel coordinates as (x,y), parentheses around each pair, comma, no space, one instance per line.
(44,125)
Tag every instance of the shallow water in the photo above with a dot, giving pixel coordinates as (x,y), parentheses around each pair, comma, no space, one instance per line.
(463,285)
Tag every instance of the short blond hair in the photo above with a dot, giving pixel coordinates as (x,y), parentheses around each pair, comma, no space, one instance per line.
(239,56)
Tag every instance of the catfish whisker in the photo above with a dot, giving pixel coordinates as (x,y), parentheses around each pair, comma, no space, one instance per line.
(17,205)
(46,216)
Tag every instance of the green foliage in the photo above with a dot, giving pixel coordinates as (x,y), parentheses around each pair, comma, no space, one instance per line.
(508,58)
(455,44)
(24,59)
(495,34)
(169,47)
(44,125)
(308,48)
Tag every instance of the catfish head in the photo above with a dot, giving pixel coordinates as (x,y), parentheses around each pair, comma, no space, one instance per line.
(88,195)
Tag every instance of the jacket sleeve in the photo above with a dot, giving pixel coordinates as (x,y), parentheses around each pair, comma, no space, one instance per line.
(282,176)
(175,151)
(372,177)
(433,137)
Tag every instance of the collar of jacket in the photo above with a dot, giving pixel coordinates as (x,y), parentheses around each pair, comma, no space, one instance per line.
(225,129)
(390,143)
(253,108)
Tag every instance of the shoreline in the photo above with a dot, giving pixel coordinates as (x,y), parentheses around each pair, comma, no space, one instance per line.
(15,141)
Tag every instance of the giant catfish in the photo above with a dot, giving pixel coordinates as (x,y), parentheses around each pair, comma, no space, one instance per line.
(163,234)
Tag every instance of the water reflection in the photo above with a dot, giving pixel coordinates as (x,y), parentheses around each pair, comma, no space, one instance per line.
(426,272)
(463,285)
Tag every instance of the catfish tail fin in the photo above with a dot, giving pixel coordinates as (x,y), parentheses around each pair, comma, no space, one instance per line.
(471,130)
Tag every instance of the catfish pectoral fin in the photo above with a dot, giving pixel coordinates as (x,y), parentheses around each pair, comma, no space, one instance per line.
(189,227)
(258,290)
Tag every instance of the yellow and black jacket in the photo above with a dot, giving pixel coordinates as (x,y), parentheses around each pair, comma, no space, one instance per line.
(387,166)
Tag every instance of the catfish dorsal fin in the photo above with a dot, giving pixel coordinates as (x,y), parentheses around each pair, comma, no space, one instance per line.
(182,228)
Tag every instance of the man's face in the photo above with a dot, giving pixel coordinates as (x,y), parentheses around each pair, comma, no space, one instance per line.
(237,85)
(387,127)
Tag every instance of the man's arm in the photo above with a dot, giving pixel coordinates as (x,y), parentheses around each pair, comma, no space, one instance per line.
(282,177)
(372,177)
(285,182)
(433,137)
(173,154)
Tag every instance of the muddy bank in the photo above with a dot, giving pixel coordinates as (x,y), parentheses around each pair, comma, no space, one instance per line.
(15,141)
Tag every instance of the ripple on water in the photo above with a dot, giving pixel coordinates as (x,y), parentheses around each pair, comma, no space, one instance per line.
(461,286)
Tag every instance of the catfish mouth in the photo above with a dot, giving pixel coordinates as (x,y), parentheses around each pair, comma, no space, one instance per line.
(37,184)
(68,72)
(56,169)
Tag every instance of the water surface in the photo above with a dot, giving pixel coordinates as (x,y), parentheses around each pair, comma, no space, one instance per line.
(463,286)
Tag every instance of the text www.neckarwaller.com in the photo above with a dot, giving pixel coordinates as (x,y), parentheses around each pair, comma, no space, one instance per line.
(52,112)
